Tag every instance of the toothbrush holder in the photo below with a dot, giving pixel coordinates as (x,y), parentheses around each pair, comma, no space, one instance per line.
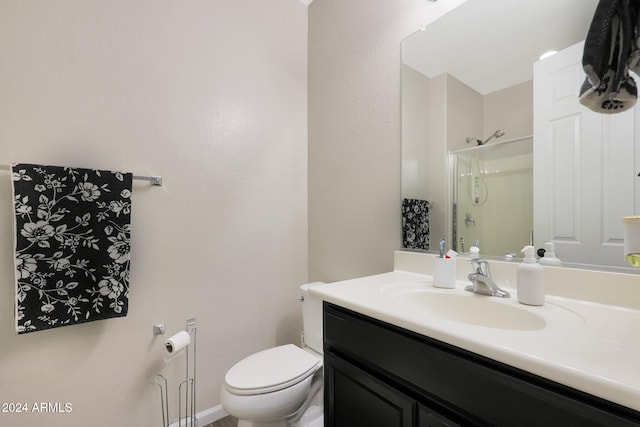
(444,272)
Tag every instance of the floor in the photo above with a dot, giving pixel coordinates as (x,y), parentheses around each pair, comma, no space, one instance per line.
(225,422)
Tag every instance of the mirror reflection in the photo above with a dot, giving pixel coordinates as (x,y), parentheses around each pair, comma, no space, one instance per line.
(468,78)
(489,177)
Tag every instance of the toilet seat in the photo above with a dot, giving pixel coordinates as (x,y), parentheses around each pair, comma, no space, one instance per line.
(271,370)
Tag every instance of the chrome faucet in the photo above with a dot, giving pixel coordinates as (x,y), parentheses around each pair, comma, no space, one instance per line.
(481,280)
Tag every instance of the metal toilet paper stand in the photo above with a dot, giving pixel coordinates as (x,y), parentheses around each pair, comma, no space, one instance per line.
(186,388)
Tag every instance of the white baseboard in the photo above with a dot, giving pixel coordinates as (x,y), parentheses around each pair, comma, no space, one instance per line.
(206,417)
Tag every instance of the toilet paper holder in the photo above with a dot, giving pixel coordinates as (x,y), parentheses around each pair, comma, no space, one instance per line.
(159,329)
(186,388)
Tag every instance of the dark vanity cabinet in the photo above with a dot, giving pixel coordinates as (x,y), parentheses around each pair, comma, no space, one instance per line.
(379,375)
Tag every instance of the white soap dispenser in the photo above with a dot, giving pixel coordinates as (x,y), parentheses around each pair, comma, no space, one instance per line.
(530,279)
(549,257)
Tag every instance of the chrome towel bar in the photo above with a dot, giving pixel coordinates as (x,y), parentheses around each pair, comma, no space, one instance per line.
(153,179)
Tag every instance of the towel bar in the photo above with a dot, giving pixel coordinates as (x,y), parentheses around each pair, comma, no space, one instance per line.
(153,179)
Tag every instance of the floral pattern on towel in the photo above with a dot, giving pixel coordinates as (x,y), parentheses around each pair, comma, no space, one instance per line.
(415,224)
(72,253)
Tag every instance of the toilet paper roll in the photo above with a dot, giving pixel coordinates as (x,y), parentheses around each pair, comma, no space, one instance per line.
(177,342)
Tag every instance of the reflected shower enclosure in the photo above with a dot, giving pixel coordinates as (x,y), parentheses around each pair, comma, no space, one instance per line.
(492,196)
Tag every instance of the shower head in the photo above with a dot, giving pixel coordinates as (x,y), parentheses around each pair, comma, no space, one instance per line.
(496,134)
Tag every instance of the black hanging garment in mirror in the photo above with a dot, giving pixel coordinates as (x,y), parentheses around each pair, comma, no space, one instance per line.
(611,50)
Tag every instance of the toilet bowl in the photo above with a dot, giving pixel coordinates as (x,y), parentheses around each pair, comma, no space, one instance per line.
(280,386)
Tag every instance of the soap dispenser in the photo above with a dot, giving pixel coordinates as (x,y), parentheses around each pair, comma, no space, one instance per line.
(530,279)
(549,257)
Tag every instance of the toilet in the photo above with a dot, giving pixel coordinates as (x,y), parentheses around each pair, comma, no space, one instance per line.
(281,386)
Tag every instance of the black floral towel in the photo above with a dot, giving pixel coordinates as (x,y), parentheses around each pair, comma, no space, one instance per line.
(72,245)
(415,224)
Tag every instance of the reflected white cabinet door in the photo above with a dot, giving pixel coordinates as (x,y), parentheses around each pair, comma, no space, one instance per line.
(584,166)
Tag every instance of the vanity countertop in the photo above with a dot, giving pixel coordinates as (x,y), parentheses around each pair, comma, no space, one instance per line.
(586,345)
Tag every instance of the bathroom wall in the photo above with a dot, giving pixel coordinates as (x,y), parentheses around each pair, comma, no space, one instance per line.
(355,131)
(416,122)
(509,109)
(212,95)
(465,114)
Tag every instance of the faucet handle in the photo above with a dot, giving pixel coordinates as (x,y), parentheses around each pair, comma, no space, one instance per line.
(481,266)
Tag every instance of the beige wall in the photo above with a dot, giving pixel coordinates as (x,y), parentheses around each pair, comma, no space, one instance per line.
(212,95)
(416,123)
(465,114)
(437,164)
(509,109)
(355,131)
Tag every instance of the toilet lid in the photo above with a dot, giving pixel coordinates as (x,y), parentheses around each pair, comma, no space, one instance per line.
(271,370)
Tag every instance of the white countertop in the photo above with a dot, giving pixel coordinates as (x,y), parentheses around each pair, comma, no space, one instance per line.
(586,345)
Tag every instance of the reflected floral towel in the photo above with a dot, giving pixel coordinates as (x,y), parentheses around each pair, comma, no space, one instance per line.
(72,245)
(415,224)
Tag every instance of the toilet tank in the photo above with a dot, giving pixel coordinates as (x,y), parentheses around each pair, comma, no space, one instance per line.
(312,318)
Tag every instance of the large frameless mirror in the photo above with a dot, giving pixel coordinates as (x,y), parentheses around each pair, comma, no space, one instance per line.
(468,84)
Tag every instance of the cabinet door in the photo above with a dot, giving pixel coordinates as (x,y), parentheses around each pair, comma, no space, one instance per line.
(354,398)
(427,417)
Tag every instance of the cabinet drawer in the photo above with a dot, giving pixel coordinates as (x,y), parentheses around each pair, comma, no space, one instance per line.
(484,391)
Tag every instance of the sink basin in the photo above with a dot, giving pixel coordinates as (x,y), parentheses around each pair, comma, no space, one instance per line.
(461,306)
(473,309)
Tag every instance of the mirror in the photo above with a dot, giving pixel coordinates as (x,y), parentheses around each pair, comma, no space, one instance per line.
(466,76)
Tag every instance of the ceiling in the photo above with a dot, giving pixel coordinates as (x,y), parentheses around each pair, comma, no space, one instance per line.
(492,44)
